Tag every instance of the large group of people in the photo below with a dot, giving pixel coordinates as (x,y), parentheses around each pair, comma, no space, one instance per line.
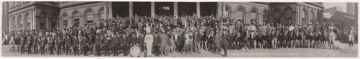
(159,36)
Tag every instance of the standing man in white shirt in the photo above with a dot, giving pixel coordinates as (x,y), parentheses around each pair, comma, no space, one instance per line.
(149,38)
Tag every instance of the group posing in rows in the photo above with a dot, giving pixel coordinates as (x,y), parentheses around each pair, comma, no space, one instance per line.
(160,36)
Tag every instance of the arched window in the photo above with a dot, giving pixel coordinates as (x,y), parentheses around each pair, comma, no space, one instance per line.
(64,18)
(228,12)
(288,15)
(102,13)
(227,8)
(311,15)
(76,18)
(265,16)
(253,14)
(319,16)
(21,22)
(276,13)
(42,19)
(12,22)
(89,16)
(27,19)
(241,11)
(303,16)
(314,15)
(15,23)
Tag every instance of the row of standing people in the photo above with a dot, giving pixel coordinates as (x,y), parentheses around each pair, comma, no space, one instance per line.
(168,34)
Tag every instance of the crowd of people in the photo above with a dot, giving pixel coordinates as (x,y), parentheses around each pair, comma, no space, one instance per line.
(159,36)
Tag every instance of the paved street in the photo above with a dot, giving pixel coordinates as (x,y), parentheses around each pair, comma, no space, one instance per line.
(345,51)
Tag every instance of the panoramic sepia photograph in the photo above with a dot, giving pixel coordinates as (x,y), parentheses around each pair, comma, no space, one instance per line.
(178,29)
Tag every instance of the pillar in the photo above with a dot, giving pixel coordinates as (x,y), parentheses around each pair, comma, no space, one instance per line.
(197,9)
(175,10)
(34,22)
(297,14)
(109,7)
(153,9)
(220,9)
(131,13)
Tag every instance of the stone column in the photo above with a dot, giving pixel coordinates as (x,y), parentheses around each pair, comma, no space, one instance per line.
(297,14)
(33,27)
(109,7)
(107,11)
(153,9)
(220,9)
(131,13)
(175,10)
(198,9)
(247,17)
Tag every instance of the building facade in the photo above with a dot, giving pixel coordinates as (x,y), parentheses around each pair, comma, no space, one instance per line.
(46,15)
(296,13)
(31,15)
(351,8)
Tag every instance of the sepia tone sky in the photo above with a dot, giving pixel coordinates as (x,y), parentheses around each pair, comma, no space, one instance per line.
(341,5)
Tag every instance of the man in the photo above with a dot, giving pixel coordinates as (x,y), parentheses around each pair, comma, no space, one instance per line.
(225,41)
(164,42)
(149,38)
(332,34)
(188,40)
(51,43)
(252,34)
(12,42)
(352,36)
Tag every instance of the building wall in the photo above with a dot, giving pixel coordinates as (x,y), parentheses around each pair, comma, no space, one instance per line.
(351,8)
(46,15)
(296,13)
(5,20)
(69,13)
(30,15)
(246,11)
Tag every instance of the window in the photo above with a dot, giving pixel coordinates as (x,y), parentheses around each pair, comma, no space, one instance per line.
(101,13)
(65,23)
(42,26)
(76,22)
(21,22)
(303,16)
(253,15)
(240,13)
(89,16)
(76,17)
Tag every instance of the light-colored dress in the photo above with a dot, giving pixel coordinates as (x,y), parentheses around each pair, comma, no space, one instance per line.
(149,39)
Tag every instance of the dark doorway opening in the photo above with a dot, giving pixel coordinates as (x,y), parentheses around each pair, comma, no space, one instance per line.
(164,8)
(186,8)
(76,22)
(142,8)
(120,9)
(208,8)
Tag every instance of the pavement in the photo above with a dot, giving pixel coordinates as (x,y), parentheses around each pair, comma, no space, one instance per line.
(344,51)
